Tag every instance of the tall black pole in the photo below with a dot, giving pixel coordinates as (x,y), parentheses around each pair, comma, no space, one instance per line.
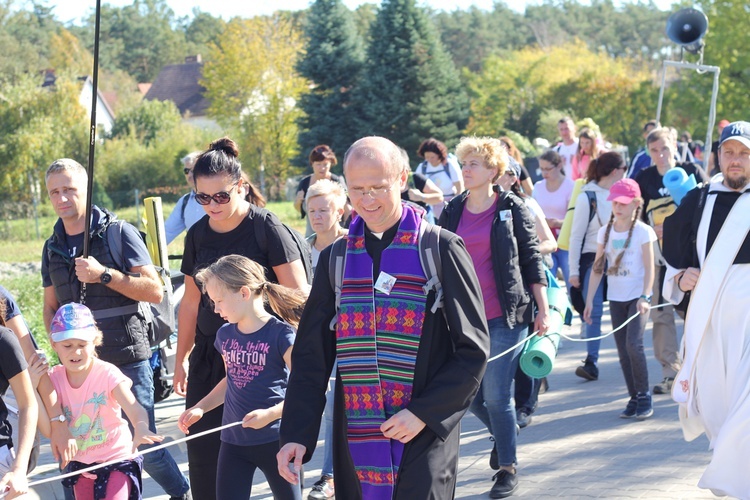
(92,143)
(92,133)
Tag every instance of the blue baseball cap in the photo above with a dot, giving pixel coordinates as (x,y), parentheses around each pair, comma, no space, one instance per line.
(73,321)
(737,131)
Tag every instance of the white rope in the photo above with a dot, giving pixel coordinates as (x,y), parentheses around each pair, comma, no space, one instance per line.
(572,339)
(513,348)
(130,457)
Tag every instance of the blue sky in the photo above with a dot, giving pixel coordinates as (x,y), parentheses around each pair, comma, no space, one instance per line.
(73,10)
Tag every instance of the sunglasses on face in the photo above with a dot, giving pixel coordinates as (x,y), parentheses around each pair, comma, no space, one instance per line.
(187,171)
(221,198)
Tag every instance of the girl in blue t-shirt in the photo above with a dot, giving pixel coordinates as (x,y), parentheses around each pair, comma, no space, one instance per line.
(257,352)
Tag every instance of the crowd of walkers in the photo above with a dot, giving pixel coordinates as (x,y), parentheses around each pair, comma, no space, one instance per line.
(399,328)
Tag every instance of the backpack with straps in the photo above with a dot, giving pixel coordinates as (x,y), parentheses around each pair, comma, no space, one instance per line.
(429,258)
(302,245)
(161,317)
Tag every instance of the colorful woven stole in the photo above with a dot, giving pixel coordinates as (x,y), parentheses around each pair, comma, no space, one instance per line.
(377,338)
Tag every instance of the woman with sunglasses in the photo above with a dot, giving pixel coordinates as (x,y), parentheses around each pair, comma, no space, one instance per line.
(227,228)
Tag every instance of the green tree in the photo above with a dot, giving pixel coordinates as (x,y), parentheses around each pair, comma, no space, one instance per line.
(333,61)
(37,125)
(253,88)
(147,120)
(140,38)
(24,38)
(411,90)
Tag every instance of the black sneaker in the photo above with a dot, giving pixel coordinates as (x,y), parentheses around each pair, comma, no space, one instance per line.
(494,463)
(644,408)
(322,489)
(589,370)
(505,484)
(185,496)
(665,386)
(630,409)
(523,417)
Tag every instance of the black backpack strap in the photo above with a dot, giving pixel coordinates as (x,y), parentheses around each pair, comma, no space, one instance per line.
(592,204)
(336,263)
(259,223)
(432,266)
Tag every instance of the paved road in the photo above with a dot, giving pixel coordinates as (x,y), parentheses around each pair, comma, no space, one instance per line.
(576,446)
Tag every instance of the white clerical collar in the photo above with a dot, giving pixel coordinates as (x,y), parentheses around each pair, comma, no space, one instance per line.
(378,235)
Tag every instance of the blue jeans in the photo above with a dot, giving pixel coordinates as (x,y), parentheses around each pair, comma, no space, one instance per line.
(560,261)
(493,404)
(595,328)
(160,465)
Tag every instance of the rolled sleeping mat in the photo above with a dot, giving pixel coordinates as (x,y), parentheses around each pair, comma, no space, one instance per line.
(679,183)
(563,239)
(156,240)
(538,355)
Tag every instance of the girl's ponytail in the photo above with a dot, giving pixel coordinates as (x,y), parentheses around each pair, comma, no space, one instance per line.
(286,302)
(236,271)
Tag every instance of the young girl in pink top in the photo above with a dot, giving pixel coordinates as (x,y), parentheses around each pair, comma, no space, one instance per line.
(93,394)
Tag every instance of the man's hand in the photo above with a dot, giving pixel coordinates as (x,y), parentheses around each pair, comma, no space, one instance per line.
(13,485)
(64,445)
(686,281)
(37,367)
(89,270)
(179,379)
(402,426)
(289,460)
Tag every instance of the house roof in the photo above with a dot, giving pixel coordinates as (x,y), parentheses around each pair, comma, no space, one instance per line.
(50,78)
(179,83)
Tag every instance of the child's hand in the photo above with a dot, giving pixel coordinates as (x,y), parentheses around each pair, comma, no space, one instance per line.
(587,313)
(143,435)
(643,306)
(13,485)
(257,419)
(37,367)
(188,418)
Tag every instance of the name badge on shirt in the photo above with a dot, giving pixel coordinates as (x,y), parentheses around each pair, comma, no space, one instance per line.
(385,283)
(506,215)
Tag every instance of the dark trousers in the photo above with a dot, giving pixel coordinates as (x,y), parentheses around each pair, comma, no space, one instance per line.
(237,465)
(526,391)
(206,370)
(629,342)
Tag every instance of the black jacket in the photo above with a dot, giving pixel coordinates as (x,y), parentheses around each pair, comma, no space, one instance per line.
(516,259)
(125,338)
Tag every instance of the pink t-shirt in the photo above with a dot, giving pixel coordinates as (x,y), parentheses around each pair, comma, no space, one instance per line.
(554,203)
(93,414)
(475,230)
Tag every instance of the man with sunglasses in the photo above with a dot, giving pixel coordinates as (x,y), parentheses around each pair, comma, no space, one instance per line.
(187,211)
(114,291)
